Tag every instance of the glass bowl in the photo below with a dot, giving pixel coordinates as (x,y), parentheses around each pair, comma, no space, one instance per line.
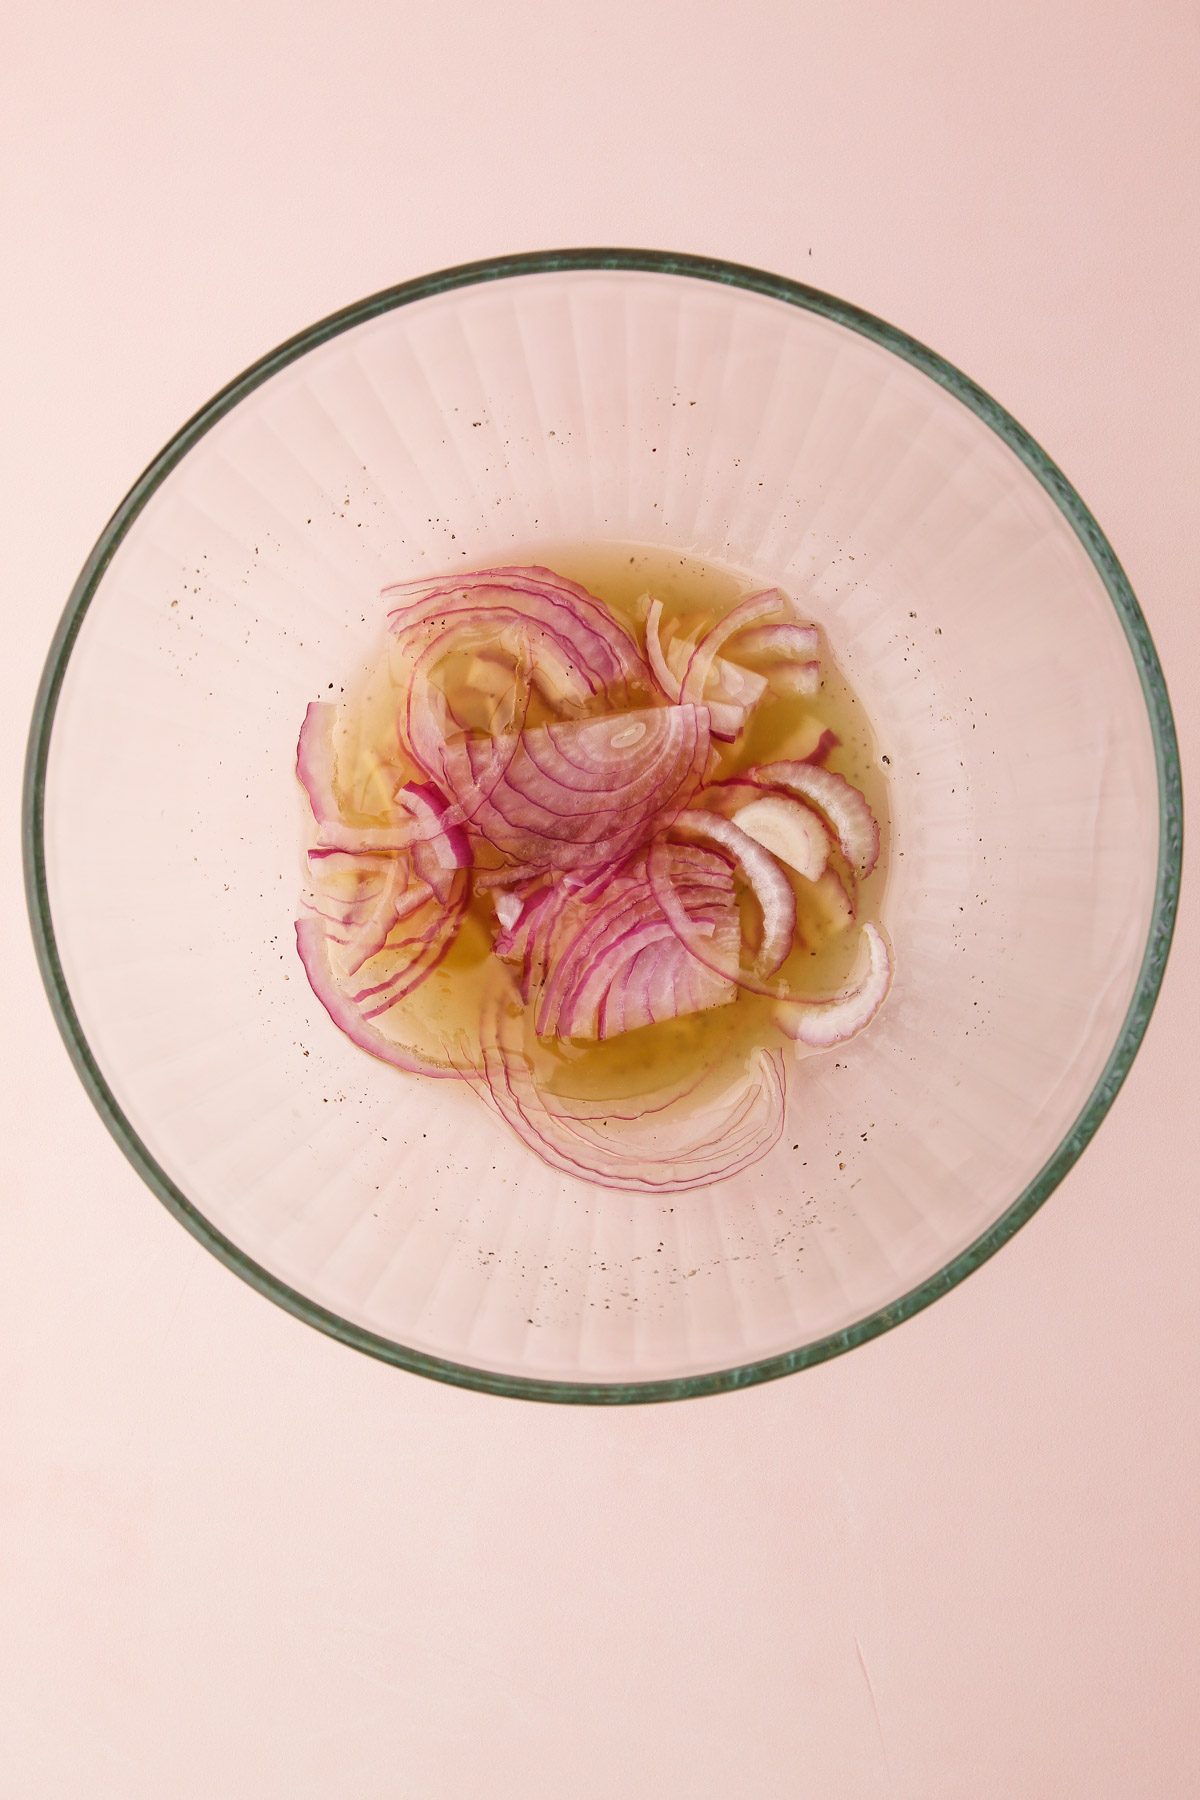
(968,595)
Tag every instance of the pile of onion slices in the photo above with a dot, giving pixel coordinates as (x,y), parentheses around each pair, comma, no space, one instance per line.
(548,764)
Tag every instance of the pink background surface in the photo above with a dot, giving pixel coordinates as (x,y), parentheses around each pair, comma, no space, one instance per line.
(237,1560)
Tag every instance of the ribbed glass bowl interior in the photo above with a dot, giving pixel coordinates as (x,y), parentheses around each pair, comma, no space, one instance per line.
(967,594)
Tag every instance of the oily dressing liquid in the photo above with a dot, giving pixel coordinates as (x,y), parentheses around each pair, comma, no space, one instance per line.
(440,1020)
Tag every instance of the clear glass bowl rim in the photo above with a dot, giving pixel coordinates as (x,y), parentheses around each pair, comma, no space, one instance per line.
(1170,798)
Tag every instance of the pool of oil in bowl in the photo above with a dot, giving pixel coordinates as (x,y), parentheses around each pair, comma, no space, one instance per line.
(672,1055)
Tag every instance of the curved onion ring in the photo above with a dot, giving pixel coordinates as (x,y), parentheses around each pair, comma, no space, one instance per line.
(655,1151)
(310,942)
(315,760)
(601,650)
(772,890)
(820,1024)
(793,832)
(746,612)
(365,921)
(664,674)
(848,813)
(445,849)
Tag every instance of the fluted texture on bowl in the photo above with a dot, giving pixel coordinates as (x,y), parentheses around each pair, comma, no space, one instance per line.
(502,418)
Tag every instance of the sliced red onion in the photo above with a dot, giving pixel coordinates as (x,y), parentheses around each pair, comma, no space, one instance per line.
(843,805)
(555,678)
(400,967)
(311,944)
(441,849)
(787,652)
(819,1024)
(608,924)
(746,612)
(777,643)
(772,889)
(326,862)
(730,692)
(658,1150)
(362,897)
(664,674)
(316,768)
(398,901)
(594,644)
(527,942)
(442,750)
(588,791)
(595,945)
(791,831)
(360,924)
(730,684)
(315,760)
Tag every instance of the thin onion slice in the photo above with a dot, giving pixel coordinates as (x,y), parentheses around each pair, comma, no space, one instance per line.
(441,748)
(368,923)
(664,674)
(820,1024)
(400,967)
(772,890)
(509,907)
(314,954)
(615,874)
(844,806)
(587,637)
(790,830)
(829,909)
(363,840)
(315,760)
(802,679)
(660,1149)
(730,692)
(614,962)
(441,849)
(746,612)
